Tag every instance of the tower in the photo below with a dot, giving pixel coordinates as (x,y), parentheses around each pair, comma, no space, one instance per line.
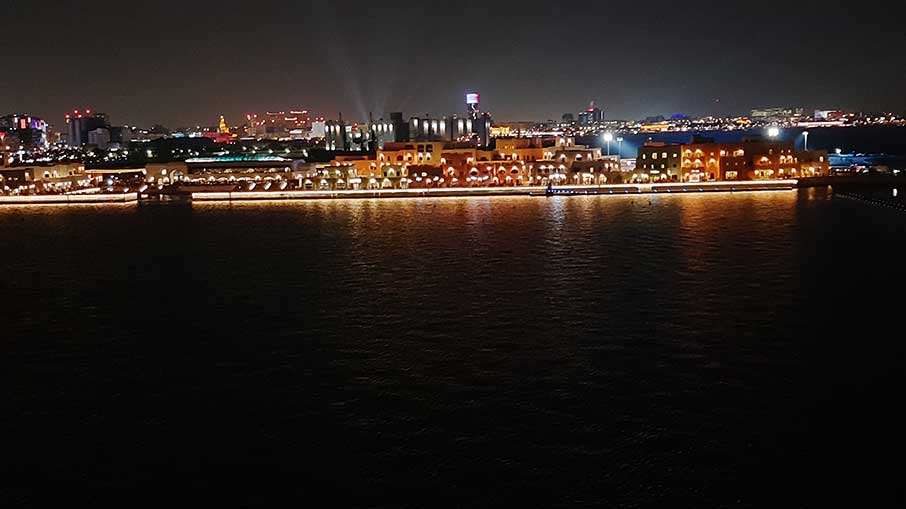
(224,128)
(473,101)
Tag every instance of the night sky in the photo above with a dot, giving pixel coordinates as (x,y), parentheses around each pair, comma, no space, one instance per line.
(184,63)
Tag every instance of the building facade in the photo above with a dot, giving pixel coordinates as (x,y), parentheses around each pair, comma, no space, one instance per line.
(79,124)
(23,131)
(703,160)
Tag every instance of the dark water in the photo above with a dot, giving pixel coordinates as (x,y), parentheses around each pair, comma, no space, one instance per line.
(697,351)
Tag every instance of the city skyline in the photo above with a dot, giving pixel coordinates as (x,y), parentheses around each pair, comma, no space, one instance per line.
(530,62)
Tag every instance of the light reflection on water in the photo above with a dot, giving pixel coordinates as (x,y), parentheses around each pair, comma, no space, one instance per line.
(551,350)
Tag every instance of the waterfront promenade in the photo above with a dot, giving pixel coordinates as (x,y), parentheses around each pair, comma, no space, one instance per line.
(277,195)
(70,199)
(617,189)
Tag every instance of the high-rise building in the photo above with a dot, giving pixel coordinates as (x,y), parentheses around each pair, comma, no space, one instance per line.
(336,136)
(79,124)
(400,127)
(482,129)
(593,115)
(23,130)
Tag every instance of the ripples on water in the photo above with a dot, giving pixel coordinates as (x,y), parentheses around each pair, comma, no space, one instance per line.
(673,351)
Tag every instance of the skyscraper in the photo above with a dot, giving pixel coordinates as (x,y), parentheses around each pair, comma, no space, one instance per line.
(593,115)
(79,124)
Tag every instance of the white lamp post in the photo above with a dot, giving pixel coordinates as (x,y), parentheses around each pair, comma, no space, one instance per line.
(805,133)
(608,137)
(620,145)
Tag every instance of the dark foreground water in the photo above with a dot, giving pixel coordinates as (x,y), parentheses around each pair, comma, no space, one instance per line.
(723,350)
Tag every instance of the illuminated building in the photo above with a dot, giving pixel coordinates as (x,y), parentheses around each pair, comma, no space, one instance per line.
(318,129)
(400,127)
(777,115)
(80,123)
(830,115)
(513,162)
(593,115)
(23,130)
(340,136)
(660,161)
(430,129)
(49,178)
(482,129)
(481,121)
(703,160)
(473,105)
(277,125)
(227,170)
(337,135)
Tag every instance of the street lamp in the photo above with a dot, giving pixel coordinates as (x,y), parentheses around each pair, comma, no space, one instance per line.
(620,144)
(774,132)
(608,137)
(805,133)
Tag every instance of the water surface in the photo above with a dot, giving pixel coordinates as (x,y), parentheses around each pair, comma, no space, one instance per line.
(708,350)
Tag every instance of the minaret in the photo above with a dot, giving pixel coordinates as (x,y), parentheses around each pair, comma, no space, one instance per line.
(224,128)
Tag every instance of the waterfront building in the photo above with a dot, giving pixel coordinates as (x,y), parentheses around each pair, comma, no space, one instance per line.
(703,160)
(227,170)
(658,161)
(45,179)
(513,162)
